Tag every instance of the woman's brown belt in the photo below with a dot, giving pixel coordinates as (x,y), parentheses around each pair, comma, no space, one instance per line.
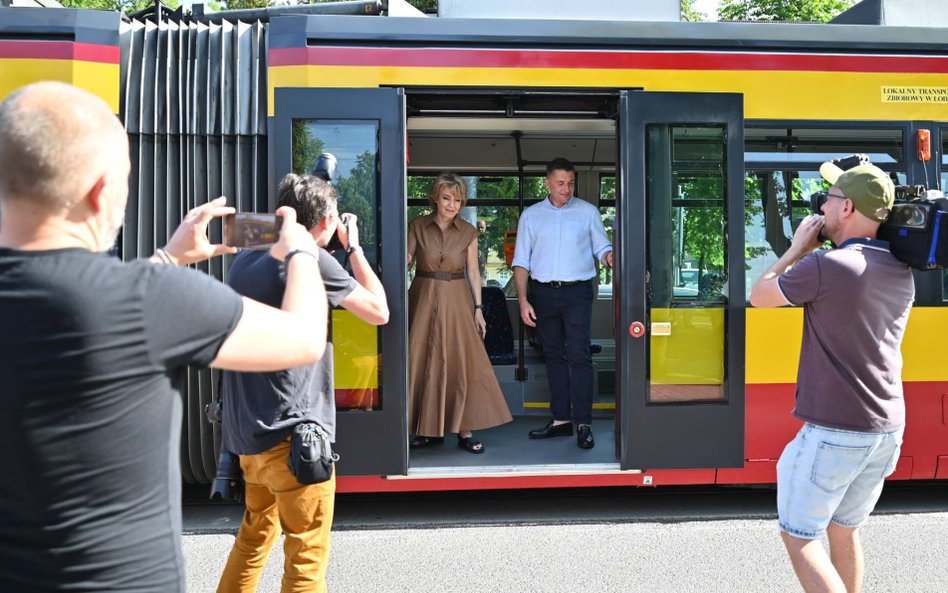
(441,275)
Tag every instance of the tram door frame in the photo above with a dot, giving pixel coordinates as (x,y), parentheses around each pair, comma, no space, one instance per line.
(679,435)
(368,442)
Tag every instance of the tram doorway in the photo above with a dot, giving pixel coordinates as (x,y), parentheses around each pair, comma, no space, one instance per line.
(665,171)
(501,143)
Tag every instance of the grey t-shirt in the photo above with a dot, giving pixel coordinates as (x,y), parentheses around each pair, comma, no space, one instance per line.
(261,409)
(856,301)
(93,357)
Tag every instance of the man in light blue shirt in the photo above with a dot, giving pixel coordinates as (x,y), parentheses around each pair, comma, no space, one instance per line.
(559,242)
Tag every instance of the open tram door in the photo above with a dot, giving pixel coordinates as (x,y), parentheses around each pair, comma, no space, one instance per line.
(365,130)
(680,323)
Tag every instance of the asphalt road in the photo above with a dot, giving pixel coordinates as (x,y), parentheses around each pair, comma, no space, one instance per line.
(670,540)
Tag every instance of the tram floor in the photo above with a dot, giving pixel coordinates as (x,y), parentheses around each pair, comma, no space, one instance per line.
(508,445)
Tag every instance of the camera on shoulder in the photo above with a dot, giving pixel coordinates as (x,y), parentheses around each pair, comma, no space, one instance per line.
(917,225)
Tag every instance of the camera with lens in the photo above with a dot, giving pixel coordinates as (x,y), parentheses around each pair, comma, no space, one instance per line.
(228,481)
(917,225)
(325,169)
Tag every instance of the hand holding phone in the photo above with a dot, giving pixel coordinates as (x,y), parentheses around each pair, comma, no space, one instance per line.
(250,230)
(190,244)
(293,236)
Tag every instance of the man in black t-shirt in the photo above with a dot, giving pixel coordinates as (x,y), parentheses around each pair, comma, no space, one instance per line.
(262,409)
(94,352)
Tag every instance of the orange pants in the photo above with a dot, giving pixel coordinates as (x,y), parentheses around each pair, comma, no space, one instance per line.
(276,501)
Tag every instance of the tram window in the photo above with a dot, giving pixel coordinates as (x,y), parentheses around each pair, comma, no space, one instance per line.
(607,210)
(356,346)
(698,231)
(818,145)
(775,201)
(492,208)
(777,195)
(690,268)
(687,262)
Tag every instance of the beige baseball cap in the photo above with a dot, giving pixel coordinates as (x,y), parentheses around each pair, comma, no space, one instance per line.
(869,187)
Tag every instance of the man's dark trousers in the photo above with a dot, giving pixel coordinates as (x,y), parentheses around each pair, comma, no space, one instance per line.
(564,317)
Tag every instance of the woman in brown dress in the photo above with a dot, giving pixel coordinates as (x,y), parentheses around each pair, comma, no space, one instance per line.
(452,386)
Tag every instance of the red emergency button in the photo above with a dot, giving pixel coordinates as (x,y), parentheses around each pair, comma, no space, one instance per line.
(636,330)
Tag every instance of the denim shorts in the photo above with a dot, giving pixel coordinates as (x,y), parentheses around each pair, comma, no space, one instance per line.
(826,474)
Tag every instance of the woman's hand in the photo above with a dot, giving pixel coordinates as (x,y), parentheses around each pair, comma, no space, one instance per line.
(479,323)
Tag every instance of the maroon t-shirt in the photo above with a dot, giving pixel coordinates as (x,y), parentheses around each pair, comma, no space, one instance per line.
(856,301)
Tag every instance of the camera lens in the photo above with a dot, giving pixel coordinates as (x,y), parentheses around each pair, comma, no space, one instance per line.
(909,216)
(228,481)
(817,200)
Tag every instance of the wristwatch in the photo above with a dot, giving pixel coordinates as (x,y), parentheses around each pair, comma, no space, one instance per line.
(353,248)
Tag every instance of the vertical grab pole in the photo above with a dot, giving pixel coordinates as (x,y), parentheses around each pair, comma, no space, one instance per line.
(521,373)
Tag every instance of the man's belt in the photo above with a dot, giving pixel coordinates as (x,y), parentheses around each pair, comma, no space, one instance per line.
(441,275)
(559,283)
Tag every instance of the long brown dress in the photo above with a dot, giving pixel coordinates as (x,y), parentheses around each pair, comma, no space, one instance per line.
(452,386)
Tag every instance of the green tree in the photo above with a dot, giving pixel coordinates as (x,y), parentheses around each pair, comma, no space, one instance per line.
(819,11)
(124,6)
(425,5)
(241,4)
(306,148)
(422,5)
(690,14)
(357,195)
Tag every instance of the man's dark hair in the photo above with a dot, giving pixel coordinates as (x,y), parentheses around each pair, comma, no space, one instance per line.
(560,164)
(311,197)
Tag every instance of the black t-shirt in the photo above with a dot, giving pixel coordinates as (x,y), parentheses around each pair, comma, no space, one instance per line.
(93,354)
(261,409)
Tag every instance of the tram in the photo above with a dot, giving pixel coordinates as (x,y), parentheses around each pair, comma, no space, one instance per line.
(699,143)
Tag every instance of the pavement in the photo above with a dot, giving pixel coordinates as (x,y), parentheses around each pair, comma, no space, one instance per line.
(623,540)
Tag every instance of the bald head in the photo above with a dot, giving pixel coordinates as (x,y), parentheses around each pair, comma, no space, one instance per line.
(56,141)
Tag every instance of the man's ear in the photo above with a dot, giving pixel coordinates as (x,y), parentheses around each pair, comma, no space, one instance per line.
(851,207)
(95,197)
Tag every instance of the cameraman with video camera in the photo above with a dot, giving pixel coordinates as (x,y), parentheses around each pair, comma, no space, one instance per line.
(270,417)
(856,300)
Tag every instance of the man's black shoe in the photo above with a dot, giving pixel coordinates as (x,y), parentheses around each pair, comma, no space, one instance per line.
(584,437)
(551,430)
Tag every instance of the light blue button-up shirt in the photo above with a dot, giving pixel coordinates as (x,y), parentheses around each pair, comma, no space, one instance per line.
(561,244)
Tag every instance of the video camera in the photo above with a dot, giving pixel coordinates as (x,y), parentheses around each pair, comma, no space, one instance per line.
(917,226)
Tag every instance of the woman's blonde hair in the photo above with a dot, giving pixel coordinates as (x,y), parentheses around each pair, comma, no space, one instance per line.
(448,181)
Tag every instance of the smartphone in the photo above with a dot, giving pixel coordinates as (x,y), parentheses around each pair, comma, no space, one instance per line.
(251,230)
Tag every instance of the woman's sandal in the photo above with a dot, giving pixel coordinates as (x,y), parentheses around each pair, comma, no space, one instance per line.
(470,445)
(420,442)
